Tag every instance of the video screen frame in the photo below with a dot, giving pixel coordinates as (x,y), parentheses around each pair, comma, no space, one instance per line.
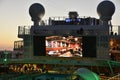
(64,46)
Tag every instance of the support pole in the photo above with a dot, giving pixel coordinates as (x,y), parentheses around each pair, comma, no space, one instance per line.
(110,67)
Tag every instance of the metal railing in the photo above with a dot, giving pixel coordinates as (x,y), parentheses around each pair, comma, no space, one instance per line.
(116,29)
(24,30)
(116,77)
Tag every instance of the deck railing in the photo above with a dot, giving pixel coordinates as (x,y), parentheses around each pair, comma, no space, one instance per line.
(116,77)
(25,30)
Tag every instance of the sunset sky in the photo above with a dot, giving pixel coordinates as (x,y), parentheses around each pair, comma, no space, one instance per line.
(14,13)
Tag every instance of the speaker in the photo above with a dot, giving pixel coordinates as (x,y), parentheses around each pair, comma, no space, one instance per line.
(39,48)
(89,46)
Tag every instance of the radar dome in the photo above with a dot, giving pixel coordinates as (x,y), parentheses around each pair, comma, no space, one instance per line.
(105,10)
(36,11)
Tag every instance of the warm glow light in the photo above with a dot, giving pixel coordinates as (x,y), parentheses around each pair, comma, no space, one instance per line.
(111,43)
(76,39)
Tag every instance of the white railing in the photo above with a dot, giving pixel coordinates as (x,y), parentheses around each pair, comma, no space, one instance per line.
(116,77)
(24,30)
(116,29)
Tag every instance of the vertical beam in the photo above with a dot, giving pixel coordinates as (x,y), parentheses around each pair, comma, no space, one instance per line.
(28,51)
(110,67)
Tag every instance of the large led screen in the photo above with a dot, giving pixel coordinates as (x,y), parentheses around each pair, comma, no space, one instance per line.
(64,46)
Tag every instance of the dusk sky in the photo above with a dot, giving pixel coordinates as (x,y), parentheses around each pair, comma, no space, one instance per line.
(14,13)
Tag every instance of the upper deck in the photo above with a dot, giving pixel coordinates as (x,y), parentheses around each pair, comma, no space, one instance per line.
(68,26)
(68,29)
